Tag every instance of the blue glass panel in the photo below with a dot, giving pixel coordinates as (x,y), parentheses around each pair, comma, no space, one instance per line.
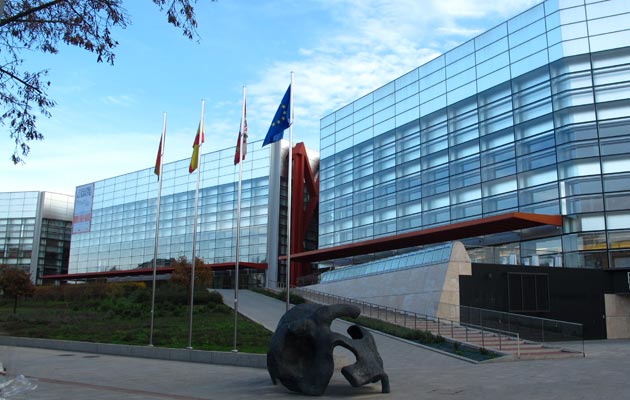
(344,112)
(432,66)
(384,114)
(492,79)
(462,92)
(406,79)
(604,42)
(408,116)
(527,64)
(461,79)
(603,9)
(384,91)
(407,91)
(491,36)
(460,51)
(364,101)
(384,102)
(407,103)
(433,105)
(493,64)
(531,46)
(429,81)
(493,50)
(528,17)
(460,65)
(524,35)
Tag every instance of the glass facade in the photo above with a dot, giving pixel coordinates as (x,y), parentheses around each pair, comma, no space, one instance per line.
(420,258)
(35,232)
(118,222)
(532,116)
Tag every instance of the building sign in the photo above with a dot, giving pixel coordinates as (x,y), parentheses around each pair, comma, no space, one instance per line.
(82,219)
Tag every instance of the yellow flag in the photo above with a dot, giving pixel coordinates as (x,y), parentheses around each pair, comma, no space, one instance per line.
(194,160)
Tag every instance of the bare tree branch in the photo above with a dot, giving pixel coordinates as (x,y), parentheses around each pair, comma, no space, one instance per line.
(29,11)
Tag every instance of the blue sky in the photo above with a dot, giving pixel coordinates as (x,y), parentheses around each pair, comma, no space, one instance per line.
(108,119)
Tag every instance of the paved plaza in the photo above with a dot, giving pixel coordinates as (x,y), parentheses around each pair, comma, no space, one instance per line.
(415,373)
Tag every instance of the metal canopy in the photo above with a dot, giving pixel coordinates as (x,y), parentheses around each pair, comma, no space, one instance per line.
(461,230)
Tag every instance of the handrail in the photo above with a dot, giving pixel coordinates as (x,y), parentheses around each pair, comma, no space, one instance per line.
(427,318)
(543,330)
(577,324)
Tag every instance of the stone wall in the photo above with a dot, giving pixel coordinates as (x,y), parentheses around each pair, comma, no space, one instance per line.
(431,290)
(617,316)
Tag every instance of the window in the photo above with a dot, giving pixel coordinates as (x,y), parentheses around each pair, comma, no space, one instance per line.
(528,292)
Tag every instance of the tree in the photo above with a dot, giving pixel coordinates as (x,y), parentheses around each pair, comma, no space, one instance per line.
(15,283)
(40,25)
(182,269)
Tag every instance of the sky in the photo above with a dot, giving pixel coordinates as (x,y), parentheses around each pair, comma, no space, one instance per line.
(108,119)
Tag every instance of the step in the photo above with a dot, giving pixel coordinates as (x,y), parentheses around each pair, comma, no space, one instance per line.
(454,331)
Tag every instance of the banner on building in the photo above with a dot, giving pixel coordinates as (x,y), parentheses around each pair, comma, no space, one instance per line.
(82,218)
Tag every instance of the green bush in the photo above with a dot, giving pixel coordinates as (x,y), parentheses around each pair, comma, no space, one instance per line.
(215,297)
(171,294)
(293,298)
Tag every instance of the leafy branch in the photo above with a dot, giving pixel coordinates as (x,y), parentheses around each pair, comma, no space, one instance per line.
(31,25)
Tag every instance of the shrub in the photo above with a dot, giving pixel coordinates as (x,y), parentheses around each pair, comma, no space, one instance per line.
(215,297)
(293,298)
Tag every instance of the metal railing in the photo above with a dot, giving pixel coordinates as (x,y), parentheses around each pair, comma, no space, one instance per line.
(499,338)
(535,329)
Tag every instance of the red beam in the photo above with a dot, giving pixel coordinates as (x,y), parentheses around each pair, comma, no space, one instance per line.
(302,213)
(146,271)
(461,230)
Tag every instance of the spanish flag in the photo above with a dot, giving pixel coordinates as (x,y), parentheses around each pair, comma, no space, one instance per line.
(199,139)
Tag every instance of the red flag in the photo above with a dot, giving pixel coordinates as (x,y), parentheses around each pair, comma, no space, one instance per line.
(237,155)
(158,161)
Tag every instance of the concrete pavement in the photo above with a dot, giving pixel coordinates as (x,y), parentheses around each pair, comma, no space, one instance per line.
(414,372)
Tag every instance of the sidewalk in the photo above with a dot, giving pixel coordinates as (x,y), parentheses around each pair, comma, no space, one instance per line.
(414,373)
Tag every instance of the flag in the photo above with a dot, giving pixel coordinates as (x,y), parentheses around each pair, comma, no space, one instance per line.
(237,155)
(199,139)
(281,121)
(158,161)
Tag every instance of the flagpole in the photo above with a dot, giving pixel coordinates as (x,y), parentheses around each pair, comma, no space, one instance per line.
(238,217)
(194,252)
(157,227)
(289,193)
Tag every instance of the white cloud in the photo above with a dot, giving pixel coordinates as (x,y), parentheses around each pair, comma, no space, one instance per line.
(123,100)
(367,44)
(374,42)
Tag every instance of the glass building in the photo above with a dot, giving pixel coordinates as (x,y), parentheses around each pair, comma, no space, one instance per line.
(35,232)
(530,116)
(114,225)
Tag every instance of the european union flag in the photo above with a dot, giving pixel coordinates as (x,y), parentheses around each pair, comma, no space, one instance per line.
(281,120)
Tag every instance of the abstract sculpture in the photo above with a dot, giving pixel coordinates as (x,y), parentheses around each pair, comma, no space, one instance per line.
(301,350)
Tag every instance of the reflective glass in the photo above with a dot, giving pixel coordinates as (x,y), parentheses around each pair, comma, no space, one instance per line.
(583,149)
(526,18)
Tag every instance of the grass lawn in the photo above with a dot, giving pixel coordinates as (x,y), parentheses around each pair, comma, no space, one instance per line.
(125,319)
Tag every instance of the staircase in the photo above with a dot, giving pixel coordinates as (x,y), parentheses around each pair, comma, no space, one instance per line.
(502,342)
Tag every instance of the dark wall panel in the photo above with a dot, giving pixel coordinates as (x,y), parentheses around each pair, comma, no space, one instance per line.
(567,294)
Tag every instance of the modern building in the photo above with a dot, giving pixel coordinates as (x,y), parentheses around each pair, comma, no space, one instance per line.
(114,229)
(532,116)
(516,144)
(35,232)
